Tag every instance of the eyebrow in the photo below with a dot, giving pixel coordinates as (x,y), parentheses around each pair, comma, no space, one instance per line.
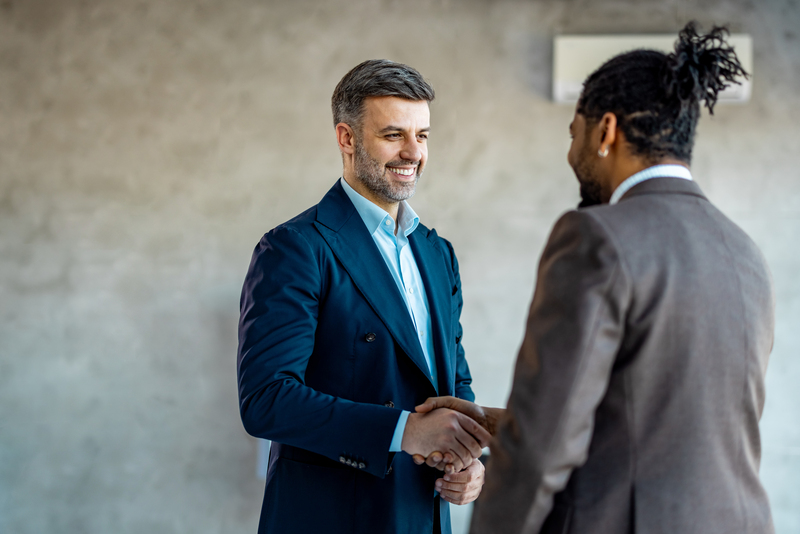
(391,128)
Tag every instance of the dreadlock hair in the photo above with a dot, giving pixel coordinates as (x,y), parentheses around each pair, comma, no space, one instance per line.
(376,77)
(656,97)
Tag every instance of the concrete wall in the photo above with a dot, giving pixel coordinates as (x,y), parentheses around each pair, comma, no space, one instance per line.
(145,146)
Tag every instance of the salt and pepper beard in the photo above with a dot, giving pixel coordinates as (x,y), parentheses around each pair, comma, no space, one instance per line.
(372,174)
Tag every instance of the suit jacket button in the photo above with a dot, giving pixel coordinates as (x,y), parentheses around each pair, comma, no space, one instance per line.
(370,337)
(389,404)
(389,471)
(342,459)
(362,465)
(349,462)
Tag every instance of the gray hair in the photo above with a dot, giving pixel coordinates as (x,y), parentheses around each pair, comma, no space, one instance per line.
(376,77)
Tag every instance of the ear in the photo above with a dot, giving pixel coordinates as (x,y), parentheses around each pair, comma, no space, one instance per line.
(345,136)
(607,126)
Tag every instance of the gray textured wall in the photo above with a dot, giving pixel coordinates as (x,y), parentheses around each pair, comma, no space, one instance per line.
(145,146)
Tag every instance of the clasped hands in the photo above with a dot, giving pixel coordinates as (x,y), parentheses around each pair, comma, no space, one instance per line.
(449,433)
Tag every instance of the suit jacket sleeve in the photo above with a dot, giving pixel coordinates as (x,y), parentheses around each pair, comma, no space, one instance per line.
(279,310)
(463,383)
(574,331)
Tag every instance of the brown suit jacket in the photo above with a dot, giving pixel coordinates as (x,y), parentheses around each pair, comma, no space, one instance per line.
(640,382)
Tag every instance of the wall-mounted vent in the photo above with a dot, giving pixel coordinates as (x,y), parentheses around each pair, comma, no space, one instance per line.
(577,56)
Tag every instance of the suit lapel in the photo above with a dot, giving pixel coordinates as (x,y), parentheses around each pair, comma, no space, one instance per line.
(438,287)
(345,232)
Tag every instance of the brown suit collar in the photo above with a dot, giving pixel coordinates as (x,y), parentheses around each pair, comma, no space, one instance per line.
(665,185)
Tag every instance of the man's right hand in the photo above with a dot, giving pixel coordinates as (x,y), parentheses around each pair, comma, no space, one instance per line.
(488,418)
(446,431)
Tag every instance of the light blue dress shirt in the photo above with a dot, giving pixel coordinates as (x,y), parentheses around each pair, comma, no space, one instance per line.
(656,171)
(399,258)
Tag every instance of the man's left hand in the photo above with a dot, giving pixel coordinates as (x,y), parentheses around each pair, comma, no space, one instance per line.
(462,487)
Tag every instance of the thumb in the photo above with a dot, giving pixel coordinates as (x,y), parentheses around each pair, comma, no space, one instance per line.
(430,404)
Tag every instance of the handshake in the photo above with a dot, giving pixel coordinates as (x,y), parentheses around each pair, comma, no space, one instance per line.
(448,433)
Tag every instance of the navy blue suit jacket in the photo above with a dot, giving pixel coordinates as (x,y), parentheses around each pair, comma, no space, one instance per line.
(328,358)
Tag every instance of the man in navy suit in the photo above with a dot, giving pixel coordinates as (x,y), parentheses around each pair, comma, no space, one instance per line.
(350,317)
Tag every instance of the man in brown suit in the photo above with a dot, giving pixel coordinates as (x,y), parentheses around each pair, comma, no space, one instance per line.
(640,381)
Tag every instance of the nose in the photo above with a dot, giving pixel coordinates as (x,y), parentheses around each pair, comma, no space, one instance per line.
(411,150)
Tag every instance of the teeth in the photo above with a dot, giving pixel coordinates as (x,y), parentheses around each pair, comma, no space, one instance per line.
(404,172)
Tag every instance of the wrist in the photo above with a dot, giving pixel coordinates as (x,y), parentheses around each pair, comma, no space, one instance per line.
(407,443)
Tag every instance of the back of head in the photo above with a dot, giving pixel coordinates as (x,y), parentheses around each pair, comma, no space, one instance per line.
(656,97)
(376,77)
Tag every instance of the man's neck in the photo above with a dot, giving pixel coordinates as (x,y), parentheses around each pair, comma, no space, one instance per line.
(391,208)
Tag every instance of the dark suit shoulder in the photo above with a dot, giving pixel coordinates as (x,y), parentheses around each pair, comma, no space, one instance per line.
(444,246)
(301,222)
(333,210)
(585,224)
(301,226)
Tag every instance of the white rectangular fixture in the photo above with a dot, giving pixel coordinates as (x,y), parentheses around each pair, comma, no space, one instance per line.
(576,56)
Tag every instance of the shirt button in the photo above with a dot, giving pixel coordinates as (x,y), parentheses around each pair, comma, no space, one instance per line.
(411,290)
(387,222)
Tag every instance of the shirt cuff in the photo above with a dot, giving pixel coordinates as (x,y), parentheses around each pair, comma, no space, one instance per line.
(397,438)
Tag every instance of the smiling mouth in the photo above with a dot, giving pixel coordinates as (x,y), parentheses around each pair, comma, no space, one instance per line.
(403,172)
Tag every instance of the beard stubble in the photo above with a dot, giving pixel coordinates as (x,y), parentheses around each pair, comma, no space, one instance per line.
(373,175)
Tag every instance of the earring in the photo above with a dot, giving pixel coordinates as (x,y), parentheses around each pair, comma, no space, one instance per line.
(603,153)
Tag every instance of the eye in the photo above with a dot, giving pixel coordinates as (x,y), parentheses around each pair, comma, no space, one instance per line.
(393,136)
(423,136)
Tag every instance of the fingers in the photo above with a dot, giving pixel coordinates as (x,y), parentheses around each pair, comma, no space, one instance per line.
(447,431)
(435,460)
(458,463)
(459,497)
(462,477)
(446,464)
(427,406)
(430,404)
(472,436)
(463,487)
(475,430)
(486,417)
(463,445)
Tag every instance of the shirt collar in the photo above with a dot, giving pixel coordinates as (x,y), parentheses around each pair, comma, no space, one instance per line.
(374,216)
(657,171)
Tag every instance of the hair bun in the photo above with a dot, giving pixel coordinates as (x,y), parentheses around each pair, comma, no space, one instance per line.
(701,66)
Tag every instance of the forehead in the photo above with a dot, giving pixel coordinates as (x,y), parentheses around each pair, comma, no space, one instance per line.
(382,111)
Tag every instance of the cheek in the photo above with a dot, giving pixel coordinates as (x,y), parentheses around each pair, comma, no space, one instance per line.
(423,155)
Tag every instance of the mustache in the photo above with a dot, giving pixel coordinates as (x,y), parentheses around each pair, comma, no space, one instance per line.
(402,162)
